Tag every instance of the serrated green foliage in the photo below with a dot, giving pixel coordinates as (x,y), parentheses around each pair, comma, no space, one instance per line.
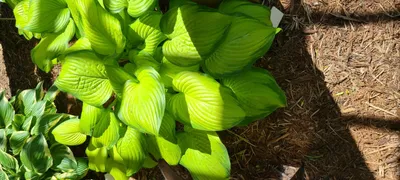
(138,71)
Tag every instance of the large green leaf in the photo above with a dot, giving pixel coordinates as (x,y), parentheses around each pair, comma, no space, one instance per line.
(45,123)
(90,116)
(115,6)
(204,155)
(28,123)
(18,140)
(26,101)
(8,161)
(145,31)
(82,44)
(3,140)
(143,104)
(21,11)
(136,8)
(6,111)
(68,133)
(63,158)
(165,145)
(118,76)
(194,33)
(257,92)
(51,93)
(168,71)
(108,137)
(132,149)
(52,45)
(101,28)
(47,16)
(78,173)
(244,7)
(97,158)
(245,42)
(35,155)
(84,76)
(142,59)
(203,103)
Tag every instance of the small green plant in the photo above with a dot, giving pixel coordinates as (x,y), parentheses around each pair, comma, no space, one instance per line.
(27,149)
(139,71)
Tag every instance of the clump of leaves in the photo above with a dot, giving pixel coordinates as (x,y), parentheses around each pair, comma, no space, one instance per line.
(27,148)
(139,71)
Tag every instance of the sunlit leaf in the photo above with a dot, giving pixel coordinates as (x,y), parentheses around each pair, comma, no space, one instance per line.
(35,154)
(90,116)
(168,71)
(18,140)
(8,161)
(133,158)
(247,8)
(108,137)
(45,123)
(115,6)
(204,155)
(118,76)
(203,103)
(68,133)
(137,8)
(97,158)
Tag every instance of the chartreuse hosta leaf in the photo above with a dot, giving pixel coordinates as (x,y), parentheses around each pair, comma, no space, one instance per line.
(90,117)
(8,161)
(21,11)
(203,103)
(165,145)
(245,42)
(108,137)
(82,44)
(115,6)
(35,155)
(51,46)
(101,28)
(68,133)
(45,16)
(145,31)
(136,8)
(118,76)
(83,75)
(63,158)
(204,155)
(132,158)
(256,11)
(97,158)
(194,33)
(150,94)
(18,140)
(257,91)
(142,59)
(6,111)
(168,71)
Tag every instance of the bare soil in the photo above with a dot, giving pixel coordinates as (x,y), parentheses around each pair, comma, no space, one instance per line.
(338,62)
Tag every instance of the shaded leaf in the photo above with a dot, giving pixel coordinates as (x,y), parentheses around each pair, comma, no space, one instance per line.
(133,158)
(18,140)
(108,137)
(63,158)
(35,155)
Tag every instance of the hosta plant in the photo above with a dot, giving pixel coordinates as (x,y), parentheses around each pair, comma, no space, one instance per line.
(140,73)
(27,148)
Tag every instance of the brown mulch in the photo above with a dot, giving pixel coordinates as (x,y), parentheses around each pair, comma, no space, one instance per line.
(338,62)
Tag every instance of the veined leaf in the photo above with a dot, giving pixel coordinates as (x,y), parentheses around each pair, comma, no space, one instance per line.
(18,140)
(203,103)
(3,140)
(115,6)
(97,158)
(133,158)
(91,116)
(82,44)
(35,155)
(47,16)
(45,123)
(165,145)
(110,136)
(29,123)
(204,155)
(150,94)
(101,28)
(257,91)
(51,46)
(256,11)
(8,161)
(63,158)
(21,13)
(168,71)
(68,133)
(194,33)
(6,111)
(3,174)
(142,59)
(84,76)
(245,42)
(136,8)
(82,167)
(118,76)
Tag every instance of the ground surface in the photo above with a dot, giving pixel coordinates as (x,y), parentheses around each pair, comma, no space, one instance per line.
(339,64)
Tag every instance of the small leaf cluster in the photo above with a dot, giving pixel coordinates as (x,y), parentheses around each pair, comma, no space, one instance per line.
(27,149)
(140,72)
